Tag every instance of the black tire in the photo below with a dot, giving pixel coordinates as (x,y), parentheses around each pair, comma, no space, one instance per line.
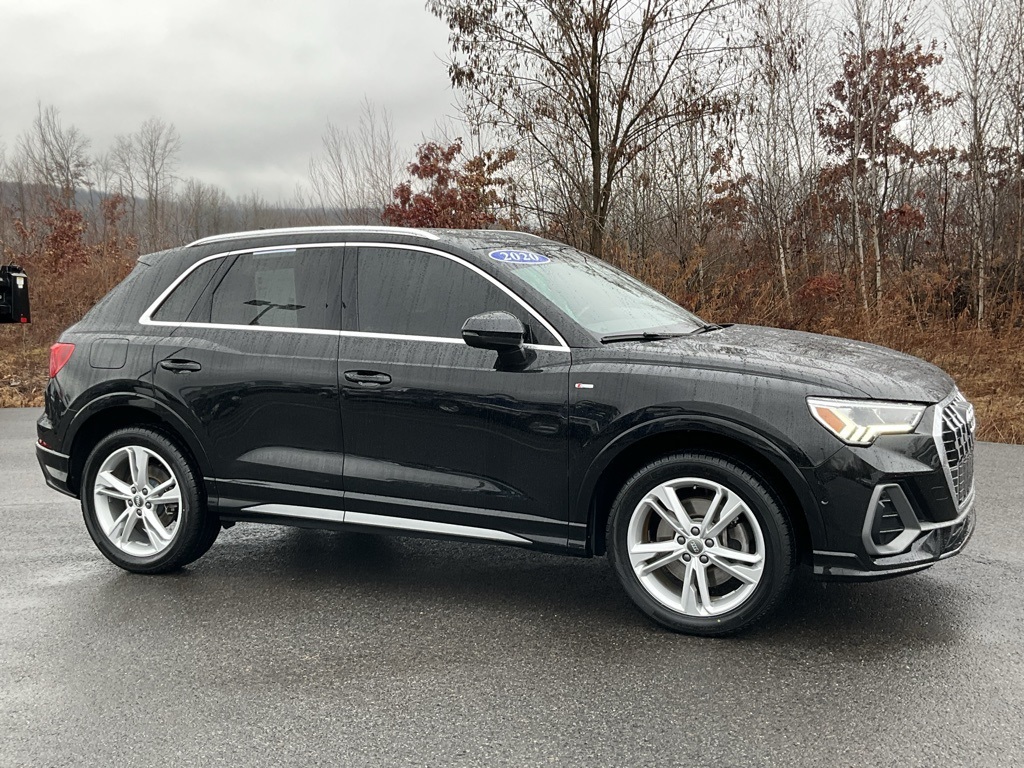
(756,600)
(211,530)
(195,528)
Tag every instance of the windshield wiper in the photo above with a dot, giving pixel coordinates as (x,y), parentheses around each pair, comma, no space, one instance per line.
(645,336)
(706,328)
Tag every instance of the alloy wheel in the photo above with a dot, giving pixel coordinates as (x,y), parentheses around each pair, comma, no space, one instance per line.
(696,547)
(137,501)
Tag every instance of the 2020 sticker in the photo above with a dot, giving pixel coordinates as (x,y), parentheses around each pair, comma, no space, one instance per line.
(519,257)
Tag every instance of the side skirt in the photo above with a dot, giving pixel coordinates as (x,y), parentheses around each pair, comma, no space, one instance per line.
(314,517)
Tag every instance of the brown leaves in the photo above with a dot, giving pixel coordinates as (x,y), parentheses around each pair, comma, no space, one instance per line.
(467,196)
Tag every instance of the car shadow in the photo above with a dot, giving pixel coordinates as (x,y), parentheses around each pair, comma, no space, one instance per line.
(575,595)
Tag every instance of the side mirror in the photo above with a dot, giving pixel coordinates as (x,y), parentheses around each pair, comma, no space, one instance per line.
(14,295)
(504,333)
(500,331)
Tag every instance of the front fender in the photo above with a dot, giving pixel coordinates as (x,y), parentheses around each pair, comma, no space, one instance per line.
(689,428)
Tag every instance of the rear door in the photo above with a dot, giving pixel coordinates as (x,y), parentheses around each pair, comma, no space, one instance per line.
(438,439)
(253,368)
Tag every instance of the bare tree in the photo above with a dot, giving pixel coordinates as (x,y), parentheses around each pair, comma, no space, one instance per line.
(157,145)
(1013,125)
(782,149)
(351,180)
(588,85)
(144,164)
(885,82)
(976,31)
(57,155)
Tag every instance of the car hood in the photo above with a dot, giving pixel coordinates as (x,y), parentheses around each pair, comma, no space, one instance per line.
(854,368)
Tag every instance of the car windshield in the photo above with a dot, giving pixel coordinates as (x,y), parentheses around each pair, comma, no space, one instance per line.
(599,297)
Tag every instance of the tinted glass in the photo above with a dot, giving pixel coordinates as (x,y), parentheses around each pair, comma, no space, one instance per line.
(596,295)
(290,289)
(177,306)
(422,294)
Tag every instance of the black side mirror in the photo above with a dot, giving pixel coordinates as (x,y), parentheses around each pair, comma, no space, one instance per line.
(501,331)
(14,295)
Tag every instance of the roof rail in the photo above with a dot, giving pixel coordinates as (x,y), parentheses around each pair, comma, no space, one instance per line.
(314,230)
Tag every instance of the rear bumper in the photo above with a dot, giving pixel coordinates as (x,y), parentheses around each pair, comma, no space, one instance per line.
(55,468)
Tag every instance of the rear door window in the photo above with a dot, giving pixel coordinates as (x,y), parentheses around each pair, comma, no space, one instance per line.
(297,289)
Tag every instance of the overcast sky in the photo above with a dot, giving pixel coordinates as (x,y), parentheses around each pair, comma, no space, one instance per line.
(249,84)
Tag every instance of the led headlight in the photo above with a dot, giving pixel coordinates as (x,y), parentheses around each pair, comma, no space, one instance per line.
(860,422)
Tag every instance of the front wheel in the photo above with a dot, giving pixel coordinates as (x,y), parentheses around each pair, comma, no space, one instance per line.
(700,544)
(142,504)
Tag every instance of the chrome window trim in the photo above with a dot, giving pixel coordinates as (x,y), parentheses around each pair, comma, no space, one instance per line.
(328,230)
(147,315)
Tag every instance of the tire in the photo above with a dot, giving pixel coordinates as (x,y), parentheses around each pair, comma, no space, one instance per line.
(143,504)
(675,576)
(207,538)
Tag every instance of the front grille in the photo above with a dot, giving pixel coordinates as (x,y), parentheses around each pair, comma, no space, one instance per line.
(958,444)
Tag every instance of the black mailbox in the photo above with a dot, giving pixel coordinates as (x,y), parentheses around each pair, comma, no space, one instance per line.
(14,295)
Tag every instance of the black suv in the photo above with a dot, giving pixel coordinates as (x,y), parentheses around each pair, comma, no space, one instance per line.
(500,387)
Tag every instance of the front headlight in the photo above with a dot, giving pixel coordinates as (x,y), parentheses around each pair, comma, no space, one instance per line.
(861,422)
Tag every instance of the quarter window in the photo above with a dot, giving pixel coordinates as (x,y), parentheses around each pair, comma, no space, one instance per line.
(423,294)
(176,307)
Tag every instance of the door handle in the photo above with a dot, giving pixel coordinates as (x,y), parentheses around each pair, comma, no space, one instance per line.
(368,378)
(180,366)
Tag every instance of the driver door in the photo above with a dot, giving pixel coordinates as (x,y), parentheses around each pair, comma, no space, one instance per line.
(437,439)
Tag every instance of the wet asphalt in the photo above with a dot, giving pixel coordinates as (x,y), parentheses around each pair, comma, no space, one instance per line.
(295,647)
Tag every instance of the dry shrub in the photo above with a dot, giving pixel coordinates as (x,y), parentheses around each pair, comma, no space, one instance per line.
(913,316)
(67,276)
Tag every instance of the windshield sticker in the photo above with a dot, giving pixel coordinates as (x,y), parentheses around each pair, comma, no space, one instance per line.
(519,257)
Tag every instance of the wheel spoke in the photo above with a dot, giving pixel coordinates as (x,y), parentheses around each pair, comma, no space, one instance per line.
(702,585)
(659,562)
(139,460)
(112,486)
(654,547)
(691,606)
(746,574)
(172,496)
(126,530)
(158,534)
(734,554)
(168,483)
(665,502)
(731,509)
(121,520)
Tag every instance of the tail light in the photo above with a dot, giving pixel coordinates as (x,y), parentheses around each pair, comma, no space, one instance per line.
(60,353)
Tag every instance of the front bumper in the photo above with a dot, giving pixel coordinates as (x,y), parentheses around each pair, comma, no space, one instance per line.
(927,549)
(902,504)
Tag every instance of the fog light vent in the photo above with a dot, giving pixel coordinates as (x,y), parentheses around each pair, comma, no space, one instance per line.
(890,525)
(887,525)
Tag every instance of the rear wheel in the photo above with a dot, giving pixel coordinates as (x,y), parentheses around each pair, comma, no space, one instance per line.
(700,544)
(142,504)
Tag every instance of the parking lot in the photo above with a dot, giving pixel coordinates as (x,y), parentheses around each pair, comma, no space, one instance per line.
(296,647)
